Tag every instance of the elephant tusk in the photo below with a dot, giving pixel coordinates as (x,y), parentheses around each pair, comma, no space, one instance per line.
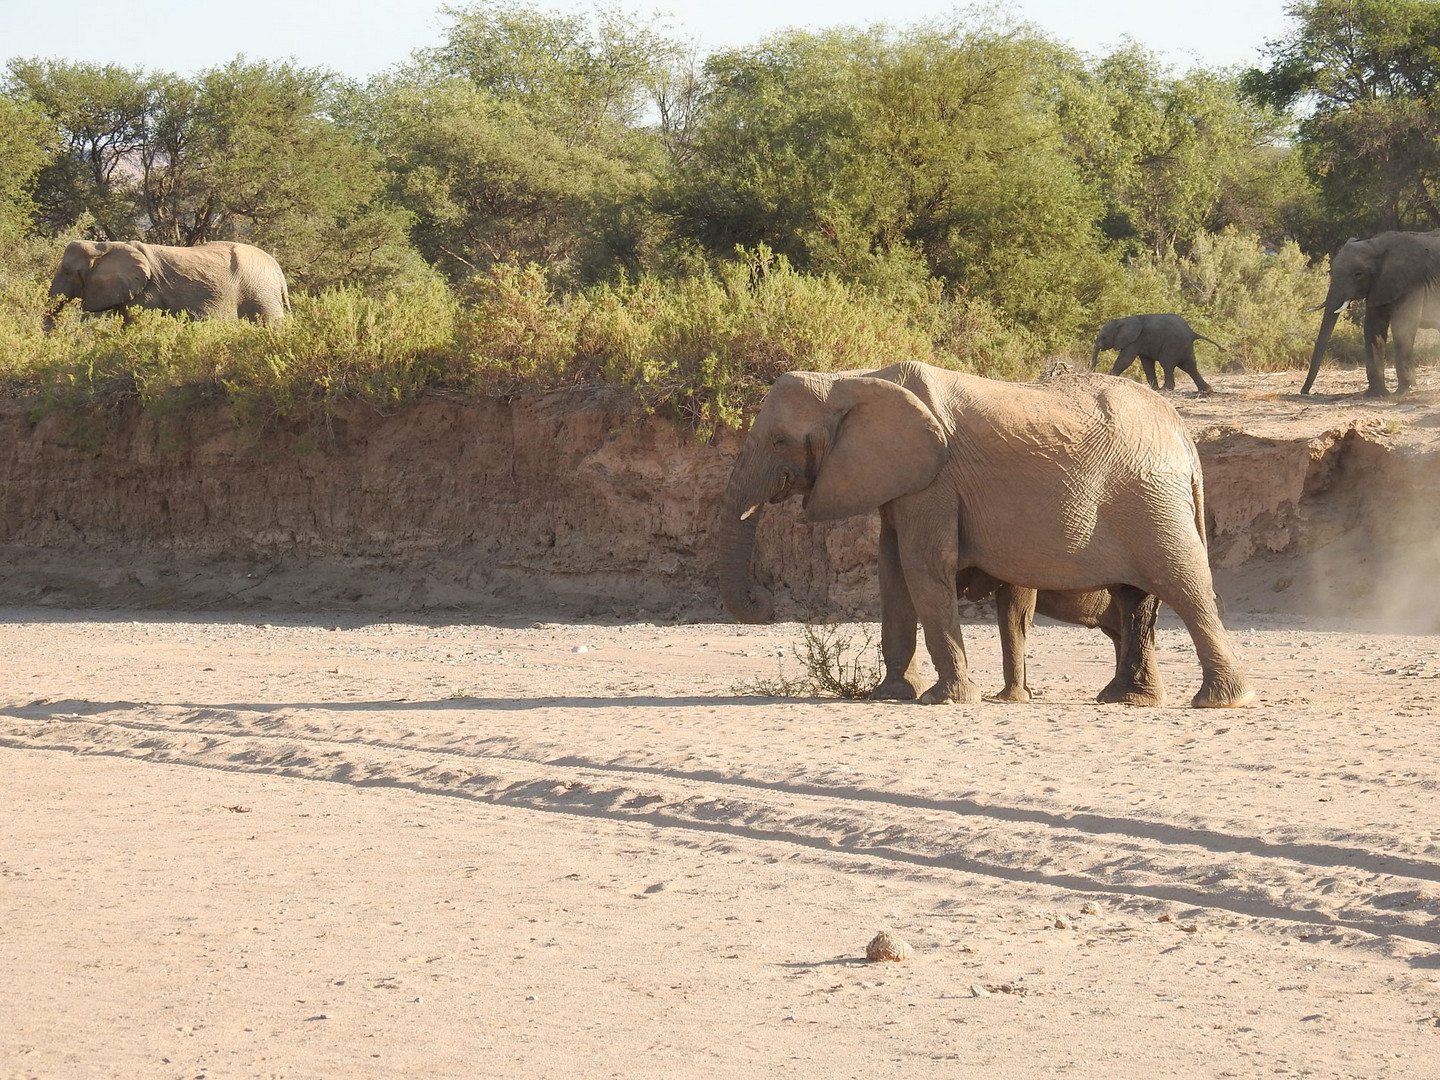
(1318,307)
(1341,309)
(746,514)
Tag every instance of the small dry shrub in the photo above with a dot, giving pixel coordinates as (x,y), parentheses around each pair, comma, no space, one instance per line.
(833,666)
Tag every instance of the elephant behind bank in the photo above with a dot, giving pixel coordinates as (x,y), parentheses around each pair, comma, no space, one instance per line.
(218,280)
(1166,340)
(1397,274)
(1076,484)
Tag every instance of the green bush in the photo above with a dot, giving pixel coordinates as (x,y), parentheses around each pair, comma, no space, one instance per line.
(1252,299)
(702,348)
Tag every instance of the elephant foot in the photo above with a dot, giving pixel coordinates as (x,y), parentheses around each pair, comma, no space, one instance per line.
(1405,388)
(894,690)
(959,692)
(1010,694)
(1223,693)
(1118,692)
(1376,391)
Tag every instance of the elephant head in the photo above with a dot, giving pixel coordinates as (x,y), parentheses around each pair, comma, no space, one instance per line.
(845,442)
(1115,334)
(102,275)
(1380,271)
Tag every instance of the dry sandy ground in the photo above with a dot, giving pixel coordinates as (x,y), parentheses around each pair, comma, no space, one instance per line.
(232,849)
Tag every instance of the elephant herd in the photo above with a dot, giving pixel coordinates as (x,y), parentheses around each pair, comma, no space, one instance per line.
(1397,274)
(1079,496)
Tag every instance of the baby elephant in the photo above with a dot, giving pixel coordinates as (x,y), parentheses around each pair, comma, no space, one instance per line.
(1163,339)
(1125,614)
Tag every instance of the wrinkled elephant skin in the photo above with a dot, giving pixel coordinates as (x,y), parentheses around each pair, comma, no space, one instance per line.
(1079,483)
(219,280)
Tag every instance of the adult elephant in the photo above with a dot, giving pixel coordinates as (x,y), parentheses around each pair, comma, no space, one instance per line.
(1397,274)
(219,280)
(1122,613)
(1164,339)
(1074,484)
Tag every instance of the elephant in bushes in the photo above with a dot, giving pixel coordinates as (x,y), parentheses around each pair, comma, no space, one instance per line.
(1123,613)
(1166,340)
(1397,274)
(1078,483)
(219,280)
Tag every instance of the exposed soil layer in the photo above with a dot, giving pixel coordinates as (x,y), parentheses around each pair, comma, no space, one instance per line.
(572,505)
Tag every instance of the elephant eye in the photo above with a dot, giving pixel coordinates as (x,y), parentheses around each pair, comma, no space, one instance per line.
(777,440)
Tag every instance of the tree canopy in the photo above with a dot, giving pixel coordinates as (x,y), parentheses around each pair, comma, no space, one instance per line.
(1365,77)
(968,161)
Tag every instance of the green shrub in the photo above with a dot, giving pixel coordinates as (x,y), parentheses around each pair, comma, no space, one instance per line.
(1252,299)
(702,348)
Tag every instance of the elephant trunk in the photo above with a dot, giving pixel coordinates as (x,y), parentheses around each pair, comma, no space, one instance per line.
(59,296)
(746,601)
(749,488)
(1327,326)
(1095,356)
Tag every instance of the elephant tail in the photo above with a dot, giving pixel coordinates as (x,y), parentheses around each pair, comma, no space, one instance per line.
(285,294)
(1197,495)
(1202,337)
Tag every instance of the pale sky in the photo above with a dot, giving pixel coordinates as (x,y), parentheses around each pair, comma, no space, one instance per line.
(363,37)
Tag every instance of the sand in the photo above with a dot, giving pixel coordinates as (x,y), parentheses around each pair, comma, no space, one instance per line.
(233,845)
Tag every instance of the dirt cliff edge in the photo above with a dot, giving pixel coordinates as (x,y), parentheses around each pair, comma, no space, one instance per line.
(572,505)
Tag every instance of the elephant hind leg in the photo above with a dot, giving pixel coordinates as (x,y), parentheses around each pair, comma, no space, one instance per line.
(1191,368)
(1222,685)
(1137,678)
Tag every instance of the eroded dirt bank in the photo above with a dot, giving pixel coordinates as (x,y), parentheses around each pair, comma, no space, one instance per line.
(570,506)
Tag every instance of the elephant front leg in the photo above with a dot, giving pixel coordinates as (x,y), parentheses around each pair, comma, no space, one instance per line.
(897,623)
(930,571)
(1015,610)
(1377,326)
(1127,357)
(1169,370)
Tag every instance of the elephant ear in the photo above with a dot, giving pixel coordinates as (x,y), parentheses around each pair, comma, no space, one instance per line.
(886,444)
(1409,265)
(117,277)
(1127,332)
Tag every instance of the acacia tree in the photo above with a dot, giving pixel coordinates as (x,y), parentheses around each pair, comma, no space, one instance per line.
(1366,74)
(241,152)
(1174,157)
(587,81)
(522,138)
(98,116)
(891,159)
(24,138)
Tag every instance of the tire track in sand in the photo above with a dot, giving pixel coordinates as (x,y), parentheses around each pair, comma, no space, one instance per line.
(1344,891)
